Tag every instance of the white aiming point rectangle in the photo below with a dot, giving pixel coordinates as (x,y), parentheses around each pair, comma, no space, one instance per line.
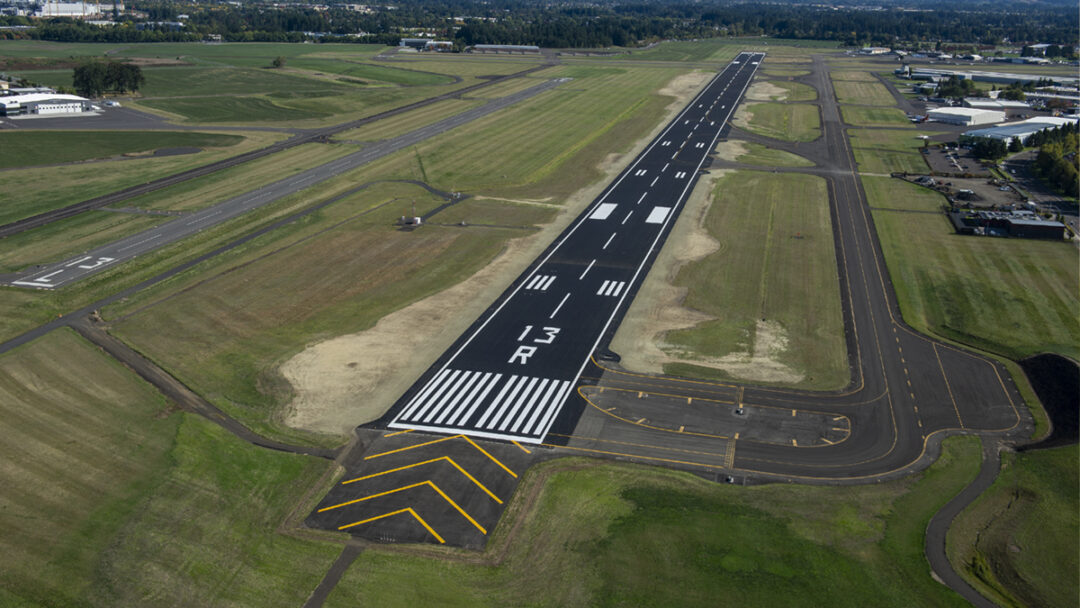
(603,211)
(657,215)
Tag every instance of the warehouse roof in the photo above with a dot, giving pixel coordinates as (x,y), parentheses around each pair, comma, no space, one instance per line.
(18,100)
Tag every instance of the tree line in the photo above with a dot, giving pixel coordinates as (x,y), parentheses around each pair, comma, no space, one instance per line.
(1057,163)
(579,24)
(94,78)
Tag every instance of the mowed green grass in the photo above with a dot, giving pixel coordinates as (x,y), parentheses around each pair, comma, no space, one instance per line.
(368,72)
(852,75)
(789,122)
(863,93)
(776,261)
(230,109)
(627,535)
(111,499)
(27,148)
(1014,297)
(409,121)
(1020,541)
(795,91)
(67,237)
(862,116)
(758,154)
(887,150)
(30,191)
(781,72)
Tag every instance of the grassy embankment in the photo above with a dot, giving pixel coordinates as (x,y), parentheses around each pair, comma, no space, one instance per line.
(111,498)
(757,154)
(863,116)
(794,91)
(776,262)
(28,148)
(1018,543)
(861,92)
(884,151)
(786,121)
(618,534)
(225,328)
(33,190)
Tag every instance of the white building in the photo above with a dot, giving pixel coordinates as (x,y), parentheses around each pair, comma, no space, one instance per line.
(43,104)
(1018,130)
(875,50)
(965,116)
(994,104)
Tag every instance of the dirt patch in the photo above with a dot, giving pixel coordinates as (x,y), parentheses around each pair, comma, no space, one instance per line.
(764,90)
(520,201)
(731,149)
(351,380)
(743,117)
(157,61)
(658,309)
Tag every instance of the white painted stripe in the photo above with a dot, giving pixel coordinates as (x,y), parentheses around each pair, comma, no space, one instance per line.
(82,259)
(539,409)
(609,240)
(603,288)
(498,399)
(465,397)
(475,404)
(526,397)
(31,284)
(500,407)
(587,269)
(643,195)
(51,274)
(610,288)
(549,416)
(658,215)
(536,279)
(654,181)
(405,413)
(447,397)
(547,283)
(665,167)
(626,218)
(603,211)
(618,289)
(456,403)
(451,381)
(561,302)
(532,406)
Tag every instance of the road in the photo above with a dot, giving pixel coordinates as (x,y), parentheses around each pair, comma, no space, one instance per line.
(509,378)
(66,272)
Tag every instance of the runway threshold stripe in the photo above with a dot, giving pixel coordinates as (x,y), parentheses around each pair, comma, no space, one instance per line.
(443,412)
(450,381)
(547,283)
(498,399)
(528,396)
(424,393)
(553,390)
(475,399)
(549,416)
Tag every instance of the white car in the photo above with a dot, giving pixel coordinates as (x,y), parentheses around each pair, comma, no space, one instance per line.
(112,104)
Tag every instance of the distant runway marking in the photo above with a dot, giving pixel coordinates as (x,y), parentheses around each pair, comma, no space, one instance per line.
(603,211)
(700,145)
(541,282)
(658,215)
(665,167)
(641,172)
(609,240)
(680,175)
(654,181)
(45,279)
(82,259)
(666,142)
(587,269)
(561,302)
(643,195)
(611,288)
(136,244)
(626,218)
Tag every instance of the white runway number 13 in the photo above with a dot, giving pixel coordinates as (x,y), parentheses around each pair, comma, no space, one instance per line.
(524,351)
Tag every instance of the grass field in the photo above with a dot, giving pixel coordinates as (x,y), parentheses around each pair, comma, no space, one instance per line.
(1018,542)
(863,93)
(1014,297)
(29,191)
(230,109)
(369,72)
(852,75)
(496,213)
(886,150)
(862,116)
(789,122)
(796,91)
(27,148)
(758,154)
(64,238)
(776,261)
(403,123)
(782,72)
(625,535)
(109,499)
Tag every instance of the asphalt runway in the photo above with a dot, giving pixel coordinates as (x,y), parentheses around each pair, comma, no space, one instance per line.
(66,272)
(509,377)
(536,369)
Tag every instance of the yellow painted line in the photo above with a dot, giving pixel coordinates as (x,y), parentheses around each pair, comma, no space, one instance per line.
(838,418)
(729,457)
(909,382)
(837,428)
(736,435)
(427,443)
(639,394)
(793,413)
(906,372)
(912,395)
(640,420)
(408,510)
(428,483)
(417,464)
(521,447)
(396,433)
(948,387)
(919,421)
(682,428)
(689,400)
(827,441)
(794,443)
